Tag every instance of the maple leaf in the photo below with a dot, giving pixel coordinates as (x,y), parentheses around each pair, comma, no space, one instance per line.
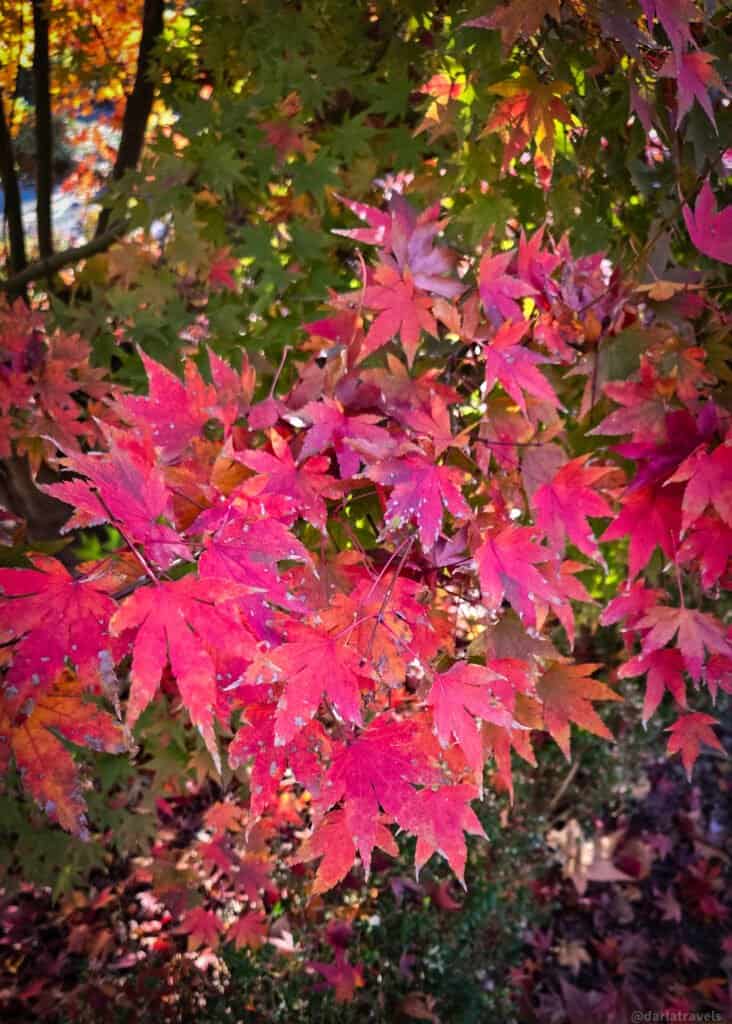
(709,544)
(439,818)
(459,696)
(45,765)
(506,562)
(566,691)
(664,670)
(406,243)
(379,769)
(586,860)
(343,976)
(403,311)
(709,476)
(644,407)
(56,618)
(518,18)
(694,76)
(434,425)
(709,230)
(248,930)
(687,735)
(306,486)
(563,505)
(420,489)
(697,632)
(175,411)
(439,118)
(499,291)
(529,110)
(203,928)
(182,624)
(248,545)
(302,659)
(125,486)
(499,742)
(331,427)
(387,623)
(513,366)
(219,273)
(332,841)
(675,16)
(651,516)
(631,605)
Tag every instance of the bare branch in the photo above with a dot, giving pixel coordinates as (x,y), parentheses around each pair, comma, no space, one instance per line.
(139,102)
(44,128)
(13,208)
(44,268)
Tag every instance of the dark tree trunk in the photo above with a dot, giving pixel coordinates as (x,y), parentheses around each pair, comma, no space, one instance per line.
(44,128)
(139,102)
(13,208)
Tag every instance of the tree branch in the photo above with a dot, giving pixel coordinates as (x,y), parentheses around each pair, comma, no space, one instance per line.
(13,208)
(44,128)
(44,268)
(139,102)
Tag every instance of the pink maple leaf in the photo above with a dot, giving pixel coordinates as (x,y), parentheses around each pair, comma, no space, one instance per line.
(421,488)
(506,561)
(513,365)
(710,231)
(402,310)
(563,505)
(694,76)
(307,485)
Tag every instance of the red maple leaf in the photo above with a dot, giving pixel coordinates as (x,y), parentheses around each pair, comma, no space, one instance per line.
(631,605)
(315,663)
(644,407)
(710,231)
(248,930)
(566,691)
(124,486)
(687,735)
(203,928)
(506,561)
(709,544)
(420,489)
(343,976)
(435,425)
(307,485)
(499,742)
(44,763)
(57,619)
(513,366)
(697,632)
(439,818)
(330,427)
(462,694)
(379,769)
(563,505)
(332,840)
(219,272)
(664,670)
(651,516)
(246,550)
(403,310)
(709,476)
(174,410)
(182,624)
